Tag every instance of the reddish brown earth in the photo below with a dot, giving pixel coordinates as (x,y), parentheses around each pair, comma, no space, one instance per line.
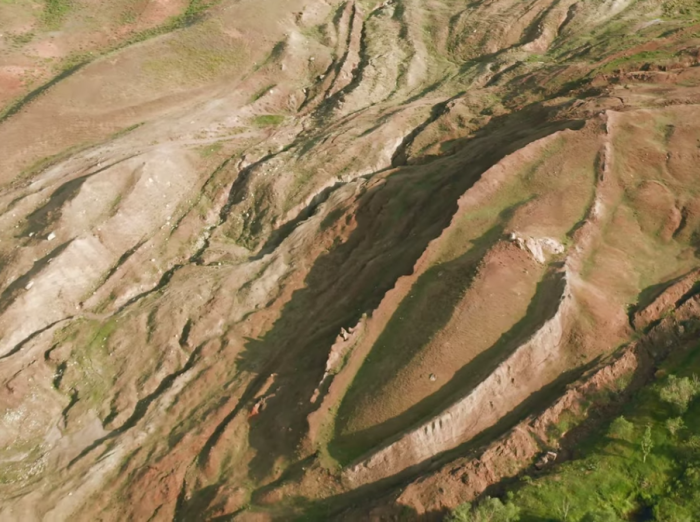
(267,260)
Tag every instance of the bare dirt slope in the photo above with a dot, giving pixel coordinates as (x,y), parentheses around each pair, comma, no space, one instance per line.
(266,259)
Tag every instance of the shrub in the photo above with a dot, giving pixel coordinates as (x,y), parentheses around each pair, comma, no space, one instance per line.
(266,120)
(488,510)
(668,509)
(674,425)
(462,513)
(621,428)
(680,391)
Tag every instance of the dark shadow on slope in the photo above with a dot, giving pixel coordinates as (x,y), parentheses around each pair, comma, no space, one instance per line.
(32,336)
(40,219)
(544,305)
(396,218)
(12,291)
(694,290)
(26,100)
(122,259)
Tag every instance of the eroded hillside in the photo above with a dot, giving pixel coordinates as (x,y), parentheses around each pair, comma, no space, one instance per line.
(331,259)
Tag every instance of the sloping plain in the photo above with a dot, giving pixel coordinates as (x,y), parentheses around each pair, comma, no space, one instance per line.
(268,259)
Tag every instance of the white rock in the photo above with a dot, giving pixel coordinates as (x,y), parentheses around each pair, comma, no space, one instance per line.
(538,247)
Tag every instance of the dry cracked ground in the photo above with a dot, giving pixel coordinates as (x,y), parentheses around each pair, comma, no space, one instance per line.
(323,259)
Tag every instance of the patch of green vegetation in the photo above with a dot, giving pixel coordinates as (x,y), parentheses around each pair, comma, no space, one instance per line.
(644,465)
(439,59)
(488,510)
(680,391)
(20,460)
(192,14)
(197,55)
(126,130)
(195,10)
(299,188)
(114,206)
(537,58)
(90,371)
(55,11)
(267,120)
(127,17)
(684,9)
(566,421)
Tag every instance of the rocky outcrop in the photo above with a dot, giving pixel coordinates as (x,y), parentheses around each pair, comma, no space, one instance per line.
(540,247)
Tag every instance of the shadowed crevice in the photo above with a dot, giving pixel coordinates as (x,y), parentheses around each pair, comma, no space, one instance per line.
(33,335)
(12,291)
